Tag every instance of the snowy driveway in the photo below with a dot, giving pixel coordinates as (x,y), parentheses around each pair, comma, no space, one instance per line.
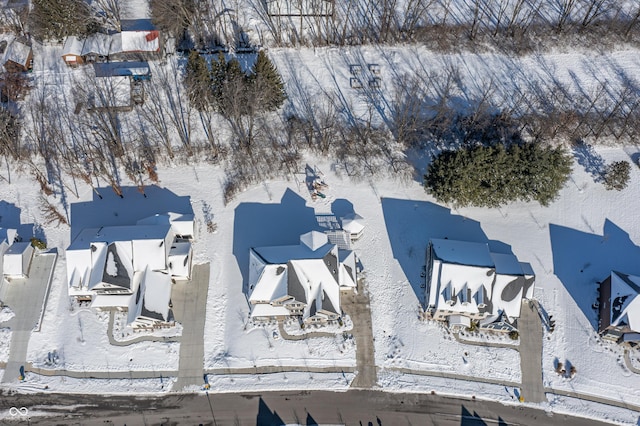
(25,297)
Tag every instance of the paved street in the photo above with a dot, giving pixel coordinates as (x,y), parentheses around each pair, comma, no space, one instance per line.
(531,354)
(355,407)
(357,306)
(25,297)
(189,300)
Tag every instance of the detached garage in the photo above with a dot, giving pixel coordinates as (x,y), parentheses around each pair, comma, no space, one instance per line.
(17,260)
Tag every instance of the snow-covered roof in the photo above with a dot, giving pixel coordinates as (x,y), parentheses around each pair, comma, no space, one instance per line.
(314,280)
(267,310)
(180,259)
(98,43)
(136,41)
(111,254)
(72,46)
(13,258)
(271,284)
(352,223)
(8,234)
(467,277)
(151,298)
(111,301)
(18,52)
(462,252)
(314,239)
(625,300)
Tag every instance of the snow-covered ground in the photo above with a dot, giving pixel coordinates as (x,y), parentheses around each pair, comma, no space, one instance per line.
(79,337)
(281,381)
(394,381)
(5,343)
(571,244)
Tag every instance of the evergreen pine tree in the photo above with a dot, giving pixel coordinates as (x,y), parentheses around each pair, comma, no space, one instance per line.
(198,81)
(489,176)
(267,83)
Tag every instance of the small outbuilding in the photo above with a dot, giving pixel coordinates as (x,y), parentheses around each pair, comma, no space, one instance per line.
(72,51)
(352,223)
(17,260)
(19,57)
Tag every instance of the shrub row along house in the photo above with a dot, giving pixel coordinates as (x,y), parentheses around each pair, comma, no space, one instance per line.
(131,268)
(467,282)
(302,281)
(619,308)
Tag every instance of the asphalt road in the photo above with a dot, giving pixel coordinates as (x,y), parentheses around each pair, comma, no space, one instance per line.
(355,407)
(25,296)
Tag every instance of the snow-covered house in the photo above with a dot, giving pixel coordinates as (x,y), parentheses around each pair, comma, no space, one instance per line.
(113,267)
(18,57)
(138,39)
(301,280)
(619,308)
(466,281)
(72,51)
(96,47)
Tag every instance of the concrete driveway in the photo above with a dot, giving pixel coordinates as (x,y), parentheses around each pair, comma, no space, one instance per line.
(26,297)
(189,300)
(357,306)
(531,354)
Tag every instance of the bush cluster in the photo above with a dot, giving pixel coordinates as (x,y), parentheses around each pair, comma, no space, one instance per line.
(490,176)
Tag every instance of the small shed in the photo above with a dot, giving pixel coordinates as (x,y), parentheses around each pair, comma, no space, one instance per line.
(19,57)
(17,260)
(72,51)
(352,223)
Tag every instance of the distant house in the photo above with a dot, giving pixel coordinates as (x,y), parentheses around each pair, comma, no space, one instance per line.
(138,39)
(301,281)
(619,308)
(18,57)
(131,267)
(466,281)
(72,51)
(96,48)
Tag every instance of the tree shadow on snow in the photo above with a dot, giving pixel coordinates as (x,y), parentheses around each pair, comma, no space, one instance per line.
(411,224)
(261,225)
(581,260)
(10,218)
(588,158)
(112,210)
